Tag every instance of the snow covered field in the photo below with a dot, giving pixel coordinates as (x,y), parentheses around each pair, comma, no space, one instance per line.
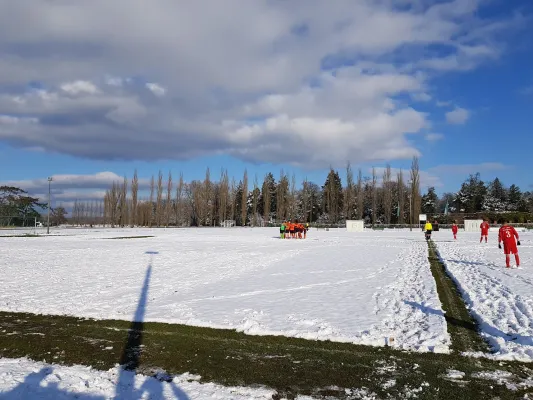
(363,288)
(501,299)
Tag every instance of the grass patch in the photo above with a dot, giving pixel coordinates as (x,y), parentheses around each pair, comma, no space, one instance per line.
(462,327)
(131,237)
(290,366)
(23,235)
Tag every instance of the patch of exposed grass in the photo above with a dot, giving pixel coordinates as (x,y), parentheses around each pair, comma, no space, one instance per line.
(131,237)
(23,235)
(462,327)
(291,366)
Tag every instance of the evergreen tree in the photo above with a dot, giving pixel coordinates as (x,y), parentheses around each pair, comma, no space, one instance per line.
(430,202)
(17,208)
(238,204)
(471,197)
(496,198)
(333,196)
(315,201)
(515,197)
(268,197)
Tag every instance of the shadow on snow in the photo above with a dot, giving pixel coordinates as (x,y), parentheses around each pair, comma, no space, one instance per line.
(450,320)
(152,387)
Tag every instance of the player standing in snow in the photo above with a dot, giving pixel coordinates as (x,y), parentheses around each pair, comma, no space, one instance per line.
(484,230)
(455,229)
(428,228)
(507,235)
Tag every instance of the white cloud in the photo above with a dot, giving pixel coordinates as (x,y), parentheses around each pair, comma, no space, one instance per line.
(458,116)
(79,87)
(66,189)
(434,137)
(101,180)
(236,80)
(156,89)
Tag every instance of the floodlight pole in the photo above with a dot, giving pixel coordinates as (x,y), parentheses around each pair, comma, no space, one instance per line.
(49,204)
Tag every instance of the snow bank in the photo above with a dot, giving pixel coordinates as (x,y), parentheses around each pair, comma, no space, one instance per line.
(25,379)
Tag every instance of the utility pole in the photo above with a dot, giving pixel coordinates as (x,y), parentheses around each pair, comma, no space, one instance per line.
(49,204)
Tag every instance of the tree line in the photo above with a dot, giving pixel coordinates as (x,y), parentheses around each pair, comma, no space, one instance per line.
(381,198)
(18,208)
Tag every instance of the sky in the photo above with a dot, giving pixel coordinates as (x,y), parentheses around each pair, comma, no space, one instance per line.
(92,91)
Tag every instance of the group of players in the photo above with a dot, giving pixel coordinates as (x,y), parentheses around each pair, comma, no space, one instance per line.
(507,235)
(293,230)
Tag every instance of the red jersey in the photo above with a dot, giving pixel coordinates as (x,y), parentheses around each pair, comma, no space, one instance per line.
(484,228)
(507,235)
(454,228)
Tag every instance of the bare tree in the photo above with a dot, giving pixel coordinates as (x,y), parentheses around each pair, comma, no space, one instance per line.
(360,195)
(291,203)
(168,202)
(207,199)
(112,202)
(123,204)
(255,200)
(101,220)
(244,200)
(178,204)
(282,192)
(75,213)
(349,195)
(387,194)
(145,209)
(159,202)
(374,195)
(152,191)
(91,213)
(134,193)
(233,199)
(266,199)
(306,201)
(415,190)
(401,197)
(224,196)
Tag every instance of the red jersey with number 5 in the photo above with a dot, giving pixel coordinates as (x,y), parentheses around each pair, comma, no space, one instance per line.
(484,228)
(507,235)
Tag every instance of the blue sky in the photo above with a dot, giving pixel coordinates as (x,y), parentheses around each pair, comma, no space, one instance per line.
(273,86)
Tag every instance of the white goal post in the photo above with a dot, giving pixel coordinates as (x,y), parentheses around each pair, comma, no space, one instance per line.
(472,225)
(357,225)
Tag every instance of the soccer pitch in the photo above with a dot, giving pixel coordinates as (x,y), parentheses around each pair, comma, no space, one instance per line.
(373,288)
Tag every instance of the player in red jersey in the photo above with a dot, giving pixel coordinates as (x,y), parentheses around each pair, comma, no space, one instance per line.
(455,229)
(507,235)
(484,230)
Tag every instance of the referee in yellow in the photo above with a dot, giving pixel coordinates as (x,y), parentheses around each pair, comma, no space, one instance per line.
(428,228)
